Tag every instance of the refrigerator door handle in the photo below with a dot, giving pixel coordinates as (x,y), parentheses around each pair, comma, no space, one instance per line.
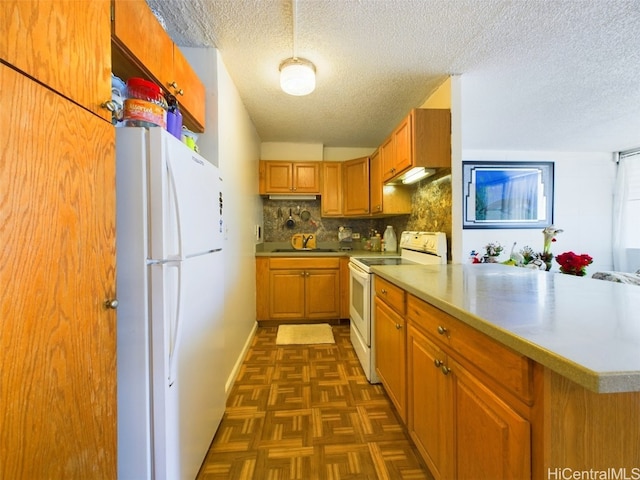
(174,194)
(174,330)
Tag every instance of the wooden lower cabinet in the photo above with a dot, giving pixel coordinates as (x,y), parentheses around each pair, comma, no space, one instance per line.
(430,409)
(462,428)
(492,440)
(390,354)
(298,288)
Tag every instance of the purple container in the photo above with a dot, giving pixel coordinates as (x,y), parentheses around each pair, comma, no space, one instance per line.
(174,124)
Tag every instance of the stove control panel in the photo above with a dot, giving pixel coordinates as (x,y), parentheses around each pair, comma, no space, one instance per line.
(429,242)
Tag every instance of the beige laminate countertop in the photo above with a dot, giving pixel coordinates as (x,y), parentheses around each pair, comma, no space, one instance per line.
(584,329)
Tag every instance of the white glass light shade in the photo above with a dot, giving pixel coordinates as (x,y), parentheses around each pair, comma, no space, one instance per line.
(297,77)
(415,174)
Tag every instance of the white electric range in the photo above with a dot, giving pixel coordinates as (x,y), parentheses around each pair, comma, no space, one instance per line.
(423,248)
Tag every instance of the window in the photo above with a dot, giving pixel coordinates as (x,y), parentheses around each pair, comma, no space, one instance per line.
(626,218)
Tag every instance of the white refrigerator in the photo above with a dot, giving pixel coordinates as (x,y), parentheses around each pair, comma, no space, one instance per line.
(170,292)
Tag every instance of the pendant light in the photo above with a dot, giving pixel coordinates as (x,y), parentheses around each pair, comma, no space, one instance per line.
(297,75)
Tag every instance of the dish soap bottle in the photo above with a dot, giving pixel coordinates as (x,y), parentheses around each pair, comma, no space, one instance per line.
(390,240)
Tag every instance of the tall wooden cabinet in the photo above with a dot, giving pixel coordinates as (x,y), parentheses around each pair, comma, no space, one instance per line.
(57,255)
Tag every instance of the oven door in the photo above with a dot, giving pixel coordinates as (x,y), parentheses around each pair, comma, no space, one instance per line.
(360,302)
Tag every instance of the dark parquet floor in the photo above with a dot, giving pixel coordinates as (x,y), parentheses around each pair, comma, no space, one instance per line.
(307,412)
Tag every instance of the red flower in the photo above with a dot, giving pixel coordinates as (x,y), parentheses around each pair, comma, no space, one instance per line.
(573,264)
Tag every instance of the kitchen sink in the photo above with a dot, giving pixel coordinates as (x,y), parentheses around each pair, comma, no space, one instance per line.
(304,250)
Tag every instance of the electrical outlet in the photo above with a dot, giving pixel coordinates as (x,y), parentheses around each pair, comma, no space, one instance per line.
(355,236)
(258,233)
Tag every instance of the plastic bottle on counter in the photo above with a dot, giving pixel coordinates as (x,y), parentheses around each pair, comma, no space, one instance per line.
(390,240)
(375,243)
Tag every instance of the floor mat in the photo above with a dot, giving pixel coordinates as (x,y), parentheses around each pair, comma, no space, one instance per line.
(304,334)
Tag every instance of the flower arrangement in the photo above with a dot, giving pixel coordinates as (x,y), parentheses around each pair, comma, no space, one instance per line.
(492,252)
(573,264)
(541,260)
(493,249)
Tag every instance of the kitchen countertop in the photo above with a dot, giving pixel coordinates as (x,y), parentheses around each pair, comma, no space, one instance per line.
(584,329)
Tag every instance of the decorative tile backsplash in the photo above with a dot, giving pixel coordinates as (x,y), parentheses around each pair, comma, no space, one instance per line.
(431,212)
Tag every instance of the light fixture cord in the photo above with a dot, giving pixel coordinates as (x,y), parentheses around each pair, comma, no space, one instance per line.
(294,13)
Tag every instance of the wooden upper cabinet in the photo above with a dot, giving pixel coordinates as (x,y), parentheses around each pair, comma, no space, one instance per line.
(375,183)
(356,186)
(422,139)
(331,200)
(387,158)
(306,177)
(402,144)
(64,45)
(156,57)
(289,177)
(184,83)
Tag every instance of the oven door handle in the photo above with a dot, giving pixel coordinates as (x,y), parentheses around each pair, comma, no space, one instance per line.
(357,272)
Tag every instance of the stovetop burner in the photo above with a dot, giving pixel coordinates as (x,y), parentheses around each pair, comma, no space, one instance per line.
(377,261)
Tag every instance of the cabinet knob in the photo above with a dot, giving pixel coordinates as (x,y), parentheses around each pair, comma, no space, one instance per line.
(302,274)
(441,330)
(398,326)
(438,363)
(178,91)
(110,105)
(113,304)
(383,291)
(445,370)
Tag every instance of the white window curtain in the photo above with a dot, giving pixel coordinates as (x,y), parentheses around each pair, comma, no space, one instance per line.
(626,210)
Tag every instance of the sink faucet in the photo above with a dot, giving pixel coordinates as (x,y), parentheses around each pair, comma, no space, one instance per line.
(305,240)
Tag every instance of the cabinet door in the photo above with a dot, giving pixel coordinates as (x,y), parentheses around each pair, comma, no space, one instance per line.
(278,177)
(64,45)
(286,294)
(390,355)
(185,84)
(403,145)
(306,177)
(430,417)
(57,268)
(375,183)
(356,184)
(492,440)
(153,50)
(331,189)
(387,159)
(322,293)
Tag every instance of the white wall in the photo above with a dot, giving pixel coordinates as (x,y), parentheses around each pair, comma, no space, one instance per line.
(239,154)
(584,185)
(230,140)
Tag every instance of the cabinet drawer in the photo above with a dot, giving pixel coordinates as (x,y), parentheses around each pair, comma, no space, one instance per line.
(390,294)
(304,263)
(510,369)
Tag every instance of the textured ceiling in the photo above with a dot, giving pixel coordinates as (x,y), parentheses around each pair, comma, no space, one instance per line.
(535,75)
